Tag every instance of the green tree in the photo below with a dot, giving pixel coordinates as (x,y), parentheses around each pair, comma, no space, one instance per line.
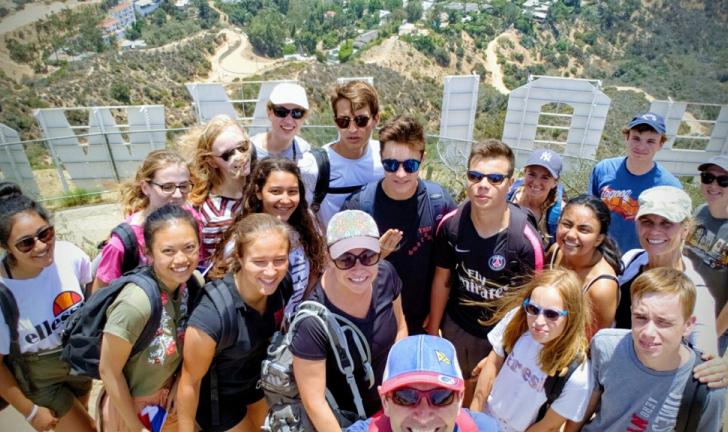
(345,51)
(120,92)
(414,10)
(266,33)
(307,41)
(358,7)
(135,31)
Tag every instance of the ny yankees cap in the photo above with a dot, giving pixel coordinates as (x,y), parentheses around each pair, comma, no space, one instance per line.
(547,159)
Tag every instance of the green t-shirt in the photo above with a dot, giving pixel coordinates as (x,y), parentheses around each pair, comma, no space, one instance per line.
(147,371)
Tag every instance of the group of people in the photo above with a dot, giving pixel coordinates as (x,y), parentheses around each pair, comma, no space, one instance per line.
(518,309)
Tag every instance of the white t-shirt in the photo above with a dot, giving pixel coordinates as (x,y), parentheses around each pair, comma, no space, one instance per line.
(294,152)
(344,172)
(46,301)
(518,394)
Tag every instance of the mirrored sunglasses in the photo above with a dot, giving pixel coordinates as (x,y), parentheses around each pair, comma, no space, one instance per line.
(282,112)
(26,244)
(536,310)
(392,165)
(494,179)
(409,397)
(348,260)
(360,121)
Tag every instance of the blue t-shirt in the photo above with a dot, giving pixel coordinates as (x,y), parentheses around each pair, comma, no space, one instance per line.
(482,421)
(619,189)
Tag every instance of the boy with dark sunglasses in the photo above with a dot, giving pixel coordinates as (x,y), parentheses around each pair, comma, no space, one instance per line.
(287,110)
(407,210)
(483,249)
(707,244)
(352,160)
(422,390)
(619,181)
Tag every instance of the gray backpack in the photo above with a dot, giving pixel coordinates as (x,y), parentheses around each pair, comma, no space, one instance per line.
(287,413)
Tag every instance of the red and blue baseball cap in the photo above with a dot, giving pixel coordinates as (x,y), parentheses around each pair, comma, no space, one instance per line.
(655,121)
(422,359)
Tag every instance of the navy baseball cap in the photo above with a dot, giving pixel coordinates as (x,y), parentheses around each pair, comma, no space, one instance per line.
(547,159)
(655,121)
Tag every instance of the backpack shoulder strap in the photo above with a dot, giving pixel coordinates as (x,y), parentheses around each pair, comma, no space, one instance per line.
(465,422)
(222,299)
(522,224)
(322,181)
(434,203)
(9,309)
(367,196)
(131,253)
(554,212)
(554,386)
(695,395)
(151,288)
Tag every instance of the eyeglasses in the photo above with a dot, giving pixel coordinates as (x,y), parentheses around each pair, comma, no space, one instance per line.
(242,148)
(536,310)
(282,112)
(26,244)
(360,121)
(494,179)
(409,397)
(348,260)
(708,178)
(392,165)
(169,188)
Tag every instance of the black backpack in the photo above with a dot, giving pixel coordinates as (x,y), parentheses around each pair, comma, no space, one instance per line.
(84,330)
(695,395)
(13,360)
(322,187)
(131,247)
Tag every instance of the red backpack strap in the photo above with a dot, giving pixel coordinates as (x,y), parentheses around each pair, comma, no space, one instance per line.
(380,423)
(464,422)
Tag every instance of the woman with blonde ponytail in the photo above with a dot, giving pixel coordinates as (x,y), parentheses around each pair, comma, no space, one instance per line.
(541,334)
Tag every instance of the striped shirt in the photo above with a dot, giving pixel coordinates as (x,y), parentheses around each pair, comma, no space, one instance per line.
(217,214)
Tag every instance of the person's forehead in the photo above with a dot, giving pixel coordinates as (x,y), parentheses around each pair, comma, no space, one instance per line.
(664,304)
(716,170)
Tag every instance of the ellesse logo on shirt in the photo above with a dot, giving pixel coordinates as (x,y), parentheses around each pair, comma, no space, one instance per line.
(64,305)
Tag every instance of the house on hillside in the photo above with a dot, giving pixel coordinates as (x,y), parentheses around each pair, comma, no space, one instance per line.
(146,7)
(181,4)
(124,13)
(384,16)
(365,38)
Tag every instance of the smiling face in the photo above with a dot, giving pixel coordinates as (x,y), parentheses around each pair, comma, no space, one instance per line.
(280,194)
(176,174)
(174,252)
(238,164)
(358,279)
(544,330)
(29,224)
(483,195)
(400,184)
(715,196)
(642,146)
(423,416)
(658,326)
(286,128)
(264,264)
(353,138)
(578,233)
(537,183)
(660,237)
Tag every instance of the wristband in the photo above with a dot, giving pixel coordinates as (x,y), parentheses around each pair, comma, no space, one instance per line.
(32,414)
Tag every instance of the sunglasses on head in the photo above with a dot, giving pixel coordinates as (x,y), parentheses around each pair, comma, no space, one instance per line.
(242,148)
(494,179)
(348,260)
(282,112)
(360,121)
(536,310)
(392,165)
(708,178)
(26,244)
(409,397)
(169,188)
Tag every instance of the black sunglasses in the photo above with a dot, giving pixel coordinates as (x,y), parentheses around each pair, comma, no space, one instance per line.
(708,178)
(409,397)
(348,260)
(282,112)
(26,244)
(494,179)
(536,310)
(360,121)
(242,148)
(169,188)
(392,165)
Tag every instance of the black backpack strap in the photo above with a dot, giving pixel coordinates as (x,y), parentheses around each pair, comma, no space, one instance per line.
(151,288)
(694,398)
(435,204)
(322,181)
(554,385)
(9,309)
(131,249)
(367,196)
(222,299)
